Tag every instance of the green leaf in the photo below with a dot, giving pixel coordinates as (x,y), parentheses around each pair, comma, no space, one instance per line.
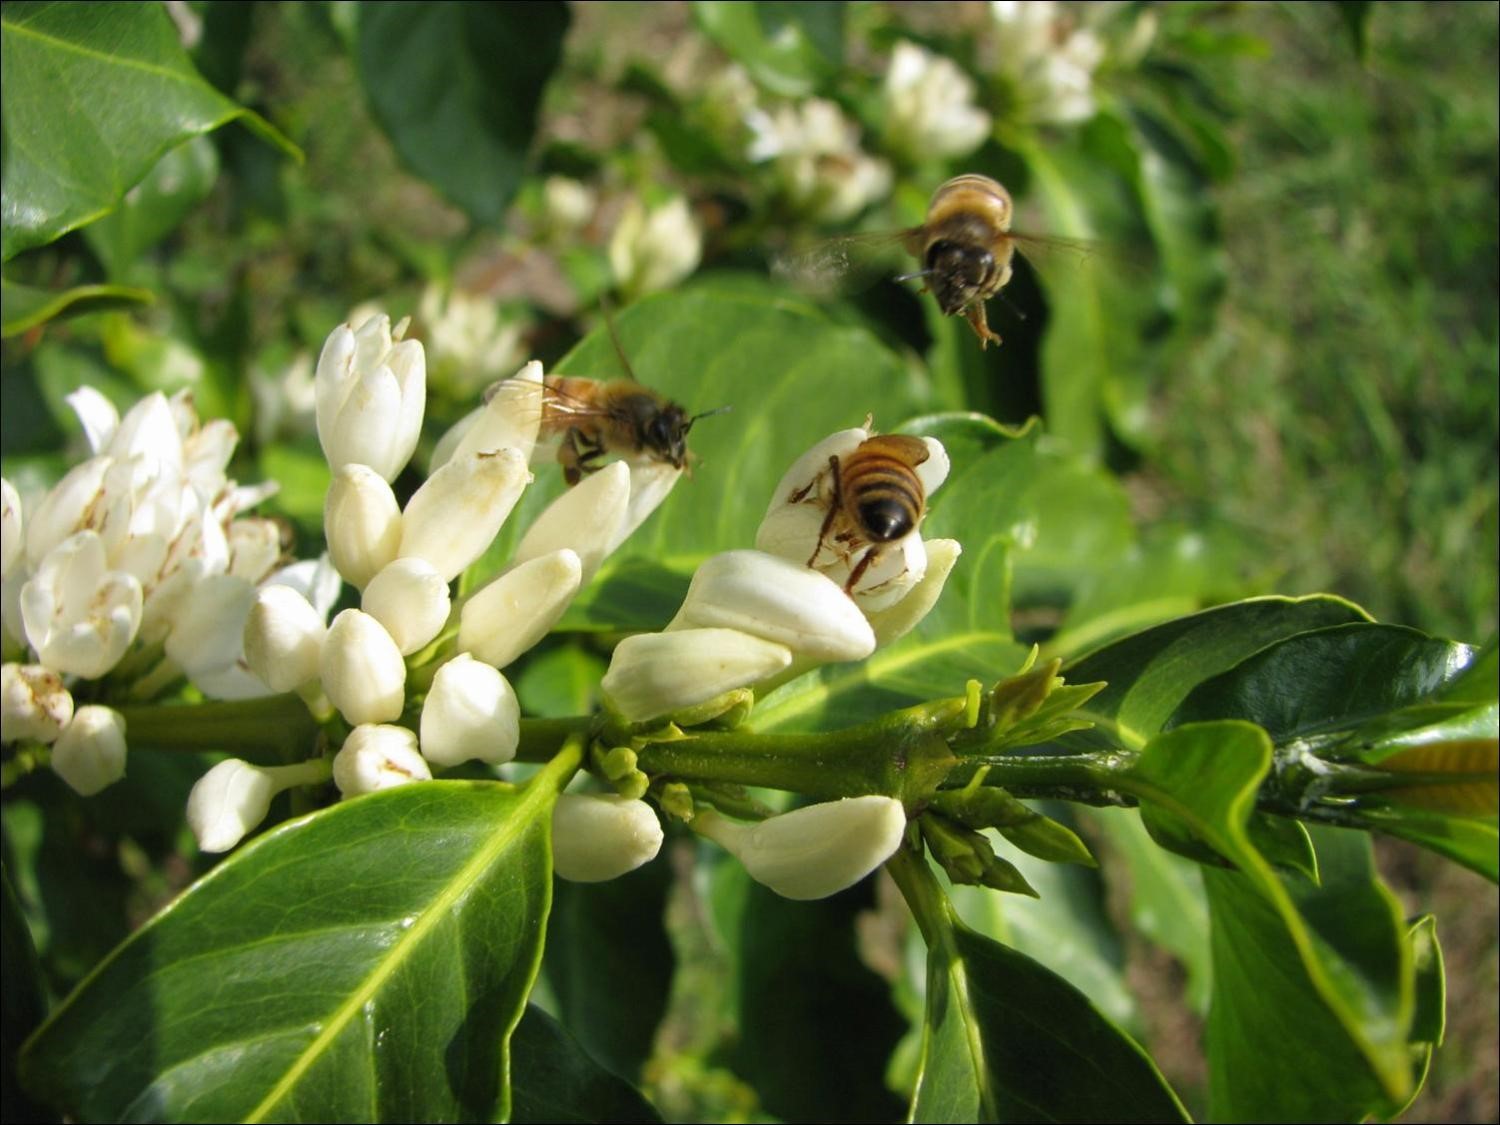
(302,472)
(1150,673)
(23,1001)
(457,88)
(610,964)
(789,49)
(557,1082)
(95,95)
(1316,975)
(367,962)
(154,208)
(560,680)
(27,306)
(1007,1039)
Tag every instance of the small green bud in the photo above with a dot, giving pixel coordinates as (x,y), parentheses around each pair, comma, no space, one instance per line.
(676,799)
(968,858)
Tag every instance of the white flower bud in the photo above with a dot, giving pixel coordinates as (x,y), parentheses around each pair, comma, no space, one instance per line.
(363,523)
(816,851)
(12,534)
(653,251)
(455,515)
(410,599)
(599,838)
(655,674)
(79,616)
(34,704)
(209,635)
(90,753)
(896,621)
(283,638)
(471,713)
(510,419)
(586,519)
(779,601)
(362,670)
(232,798)
(566,203)
(62,510)
(378,757)
(515,611)
(370,394)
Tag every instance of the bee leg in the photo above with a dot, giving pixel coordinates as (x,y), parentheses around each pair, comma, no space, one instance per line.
(974,314)
(860,567)
(833,508)
(570,458)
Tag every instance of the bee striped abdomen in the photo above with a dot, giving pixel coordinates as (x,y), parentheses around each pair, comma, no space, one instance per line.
(881,491)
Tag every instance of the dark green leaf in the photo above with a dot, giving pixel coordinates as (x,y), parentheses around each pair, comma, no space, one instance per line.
(22,1002)
(95,95)
(457,88)
(610,964)
(367,962)
(555,1081)
(152,209)
(787,48)
(1009,1040)
(26,306)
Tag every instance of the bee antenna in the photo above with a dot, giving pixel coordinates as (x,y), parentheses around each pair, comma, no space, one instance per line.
(1016,310)
(913,276)
(614,337)
(707,414)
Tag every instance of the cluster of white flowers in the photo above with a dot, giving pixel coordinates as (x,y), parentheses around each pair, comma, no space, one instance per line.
(371,395)
(929,106)
(137,565)
(1049,62)
(753,617)
(469,344)
(653,249)
(816,158)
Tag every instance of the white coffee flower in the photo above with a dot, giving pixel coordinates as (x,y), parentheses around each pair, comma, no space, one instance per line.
(455,515)
(817,160)
(1049,63)
(90,753)
(599,838)
(509,419)
(654,250)
(471,714)
(362,670)
(362,523)
(411,600)
(516,610)
(586,519)
(34,704)
(62,510)
(254,547)
(567,204)
(12,531)
(209,635)
(79,616)
(929,106)
(283,638)
(816,851)
(376,757)
(468,344)
(232,798)
(656,674)
(371,389)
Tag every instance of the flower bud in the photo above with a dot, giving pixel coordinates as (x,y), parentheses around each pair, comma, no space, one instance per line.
(370,395)
(650,483)
(12,534)
(363,523)
(510,419)
(34,703)
(777,600)
(516,610)
(410,599)
(378,757)
(586,519)
(599,838)
(471,713)
(653,251)
(362,670)
(283,639)
(90,753)
(454,516)
(227,802)
(80,616)
(816,851)
(654,674)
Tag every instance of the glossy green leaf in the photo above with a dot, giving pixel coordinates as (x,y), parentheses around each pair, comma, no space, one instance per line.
(1007,1039)
(152,209)
(1336,948)
(556,1082)
(457,88)
(95,94)
(367,962)
(788,48)
(27,306)
(610,964)
(1150,673)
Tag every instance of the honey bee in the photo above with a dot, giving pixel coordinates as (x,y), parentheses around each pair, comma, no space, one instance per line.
(965,246)
(876,499)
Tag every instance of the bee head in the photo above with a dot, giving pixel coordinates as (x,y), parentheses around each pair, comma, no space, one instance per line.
(665,435)
(958,273)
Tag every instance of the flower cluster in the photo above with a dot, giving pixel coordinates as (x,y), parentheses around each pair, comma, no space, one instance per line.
(816,159)
(138,566)
(654,249)
(1048,63)
(929,107)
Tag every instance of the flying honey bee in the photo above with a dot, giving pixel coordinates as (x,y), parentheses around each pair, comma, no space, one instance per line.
(876,498)
(595,418)
(965,246)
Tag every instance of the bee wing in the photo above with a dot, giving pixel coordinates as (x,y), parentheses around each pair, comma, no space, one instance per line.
(846,263)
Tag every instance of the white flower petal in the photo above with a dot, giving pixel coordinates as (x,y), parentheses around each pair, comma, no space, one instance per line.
(283,638)
(511,417)
(362,522)
(895,621)
(34,704)
(96,414)
(378,757)
(516,610)
(411,600)
(604,837)
(227,802)
(362,670)
(656,674)
(471,713)
(12,531)
(586,519)
(456,514)
(90,753)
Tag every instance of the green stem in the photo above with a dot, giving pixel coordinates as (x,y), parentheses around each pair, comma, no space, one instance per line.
(924,896)
(265,731)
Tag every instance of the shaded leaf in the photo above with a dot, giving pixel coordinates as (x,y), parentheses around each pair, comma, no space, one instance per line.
(152,209)
(95,95)
(555,1081)
(27,306)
